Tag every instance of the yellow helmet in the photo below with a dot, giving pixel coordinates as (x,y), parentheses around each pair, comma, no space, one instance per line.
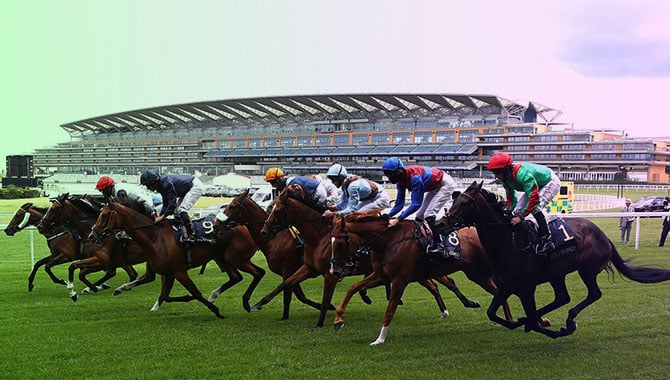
(274,173)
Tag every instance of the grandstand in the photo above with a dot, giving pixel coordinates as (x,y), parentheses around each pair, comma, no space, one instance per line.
(305,134)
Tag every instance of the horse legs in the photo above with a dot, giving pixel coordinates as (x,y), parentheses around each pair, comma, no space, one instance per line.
(370,281)
(561,297)
(148,276)
(329,283)
(300,295)
(432,288)
(46,261)
(594,294)
(90,262)
(186,281)
(301,274)
(500,299)
(257,273)
(234,277)
(397,289)
(451,285)
(132,273)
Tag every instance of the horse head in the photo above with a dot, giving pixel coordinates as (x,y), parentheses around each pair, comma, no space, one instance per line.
(23,218)
(350,239)
(278,218)
(473,205)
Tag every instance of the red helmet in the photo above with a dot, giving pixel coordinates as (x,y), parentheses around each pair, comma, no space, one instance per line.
(104,182)
(500,161)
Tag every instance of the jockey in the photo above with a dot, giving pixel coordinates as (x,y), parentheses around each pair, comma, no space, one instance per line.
(539,185)
(314,192)
(430,189)
(107,187)
(358,194)
(179,192)
(332,192)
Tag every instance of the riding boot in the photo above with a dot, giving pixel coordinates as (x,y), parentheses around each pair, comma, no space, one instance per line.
(436,247)
(187,233)
(545,244)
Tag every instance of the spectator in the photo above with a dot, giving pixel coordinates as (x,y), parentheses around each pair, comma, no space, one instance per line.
(666,224)
(626,223)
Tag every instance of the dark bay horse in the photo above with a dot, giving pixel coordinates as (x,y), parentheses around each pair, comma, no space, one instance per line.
(398,256)
(167,257)
(282,256)
(64,247)
(288,210)
(80,215)
(519,270)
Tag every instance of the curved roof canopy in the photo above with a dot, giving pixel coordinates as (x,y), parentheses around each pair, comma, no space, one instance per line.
(290,110)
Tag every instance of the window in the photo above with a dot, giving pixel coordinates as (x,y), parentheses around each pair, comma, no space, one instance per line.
(380,138)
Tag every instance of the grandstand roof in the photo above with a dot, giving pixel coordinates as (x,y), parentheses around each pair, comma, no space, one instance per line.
(288,110)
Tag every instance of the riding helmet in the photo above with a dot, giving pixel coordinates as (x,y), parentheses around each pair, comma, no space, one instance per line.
(149,176)
(337,170)
(274,173)
(392,164)
(500,161)
(104,182)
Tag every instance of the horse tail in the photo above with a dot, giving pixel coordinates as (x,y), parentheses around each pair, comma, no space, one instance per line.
(639,274)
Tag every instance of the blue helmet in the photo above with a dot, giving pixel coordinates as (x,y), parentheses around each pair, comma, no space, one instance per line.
(149,176)
(337,170)
(392,164)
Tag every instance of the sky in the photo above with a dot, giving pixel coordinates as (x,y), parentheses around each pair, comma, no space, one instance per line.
(603,64)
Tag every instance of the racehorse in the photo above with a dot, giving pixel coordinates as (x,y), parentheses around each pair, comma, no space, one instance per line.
(316,259)
(64,247)
(397,255)
(282,256)
(79,214)
(167,257)
(520,270)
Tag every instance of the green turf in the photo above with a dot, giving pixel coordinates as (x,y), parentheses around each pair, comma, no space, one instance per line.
(44,335)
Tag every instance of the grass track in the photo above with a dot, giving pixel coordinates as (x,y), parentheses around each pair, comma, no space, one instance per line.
(43,334)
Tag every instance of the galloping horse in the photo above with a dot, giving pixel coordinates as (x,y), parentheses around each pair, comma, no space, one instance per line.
(280,252)
(63,246)
(167,257)
(398,256)
(316,231)
(519,270)
(79,214)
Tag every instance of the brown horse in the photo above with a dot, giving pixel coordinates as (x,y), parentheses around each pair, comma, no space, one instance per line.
(520,270)
(282,256)
(398,256)
(79,214)
(318,251)
(167,257)
(64,247)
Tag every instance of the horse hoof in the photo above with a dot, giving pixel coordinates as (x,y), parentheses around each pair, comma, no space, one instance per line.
(84,292)
(104,286)
(245,306)
(256,307)
(545,322)
(30,287)
(74,298)
(338,325)
(116,292)
(366,300)
(473,305)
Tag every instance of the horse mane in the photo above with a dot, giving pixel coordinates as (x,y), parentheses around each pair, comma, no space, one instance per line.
(84,205)
(134,203)
(245,196)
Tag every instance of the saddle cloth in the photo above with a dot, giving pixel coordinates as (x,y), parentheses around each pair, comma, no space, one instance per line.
(202,228)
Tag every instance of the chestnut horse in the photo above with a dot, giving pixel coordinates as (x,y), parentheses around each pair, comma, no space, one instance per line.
(282,256)
(79,214)
(167,257)
(520,270)
(316,230)
(398,256)
(64,247)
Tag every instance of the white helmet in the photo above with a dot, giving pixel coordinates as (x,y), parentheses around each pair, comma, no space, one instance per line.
(337,170)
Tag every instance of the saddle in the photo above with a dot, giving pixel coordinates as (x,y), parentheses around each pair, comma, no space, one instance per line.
(203,229)
(450,242)
(561,234)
